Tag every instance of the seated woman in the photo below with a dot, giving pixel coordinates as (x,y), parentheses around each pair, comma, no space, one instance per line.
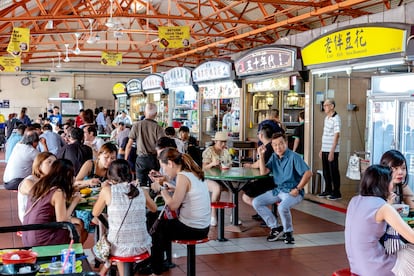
(366,221)
(126,213)
(47,203)
(216,156)
(395,160)
(190,196)
(41,166)
(93,173)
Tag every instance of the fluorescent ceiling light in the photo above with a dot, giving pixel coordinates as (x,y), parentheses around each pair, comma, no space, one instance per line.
(376,64)
(331,70)
(60,99)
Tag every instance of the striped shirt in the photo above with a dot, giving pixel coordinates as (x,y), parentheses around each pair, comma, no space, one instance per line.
(332,125)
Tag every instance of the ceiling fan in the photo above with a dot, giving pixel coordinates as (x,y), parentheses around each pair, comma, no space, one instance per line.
(67,59)
(110,22)
(59,65)
(91,38)
(77,51)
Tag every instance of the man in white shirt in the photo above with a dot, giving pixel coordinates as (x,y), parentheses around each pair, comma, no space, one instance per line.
(91,139)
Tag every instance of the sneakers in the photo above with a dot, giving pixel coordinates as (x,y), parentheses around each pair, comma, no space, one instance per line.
(213,221)
(275,234)
(324,194)
(289,238)
(334,197)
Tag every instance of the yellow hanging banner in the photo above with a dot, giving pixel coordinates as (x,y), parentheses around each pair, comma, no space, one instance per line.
(353,43)
(111,59)
(10,64)
(174,36)
(19,41)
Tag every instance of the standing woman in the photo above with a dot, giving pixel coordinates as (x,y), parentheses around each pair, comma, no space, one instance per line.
(41,167)
(190,197)
(93,172)
(395,160)
(125,204)
(47,203)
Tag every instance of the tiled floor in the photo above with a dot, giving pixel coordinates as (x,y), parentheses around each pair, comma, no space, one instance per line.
(319,248)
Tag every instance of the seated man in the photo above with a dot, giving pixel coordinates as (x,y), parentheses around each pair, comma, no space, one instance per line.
(291,174)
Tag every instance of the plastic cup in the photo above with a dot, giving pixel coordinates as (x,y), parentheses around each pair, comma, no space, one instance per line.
(55,268)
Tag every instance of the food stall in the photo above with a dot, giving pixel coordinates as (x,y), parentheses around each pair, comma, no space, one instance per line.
(137,98)
(153,87)
(120,93)
(275,80)
(183,99)
(220,99)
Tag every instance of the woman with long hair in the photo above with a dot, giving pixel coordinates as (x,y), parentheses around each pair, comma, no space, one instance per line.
(94,172)
(126,208)
(41,167)
(47,203)
(366,222)
(396,161)
(190,196)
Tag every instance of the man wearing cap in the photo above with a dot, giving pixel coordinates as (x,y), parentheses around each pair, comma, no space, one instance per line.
(123,117)
(146,134)
(216,156)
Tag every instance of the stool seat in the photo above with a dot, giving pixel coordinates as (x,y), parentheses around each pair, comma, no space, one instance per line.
(191,242)
(343,272)
(130,259)
(191,253)
(220,204)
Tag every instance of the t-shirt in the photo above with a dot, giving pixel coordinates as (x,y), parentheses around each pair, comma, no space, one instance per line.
(332,125)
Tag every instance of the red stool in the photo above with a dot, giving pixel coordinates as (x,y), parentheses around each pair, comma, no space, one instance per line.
(220,223)
(343,272)
(191,254)
(129,261)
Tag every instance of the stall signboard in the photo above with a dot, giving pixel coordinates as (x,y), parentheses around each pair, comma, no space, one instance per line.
(152,82)
(119,89)
(111,59)
(224,90)
(356,42)
(265,60)
(213,70)
(177,77)
(10,64)
(133,86)
(272,84)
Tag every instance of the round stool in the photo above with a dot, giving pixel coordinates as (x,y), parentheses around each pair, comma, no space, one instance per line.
(129,261)
(343,272)
(220,223)
(191,253)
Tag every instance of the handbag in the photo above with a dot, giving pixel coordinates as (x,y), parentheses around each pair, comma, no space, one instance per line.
(102,248)
(154,226)
(353,171)
(170,214)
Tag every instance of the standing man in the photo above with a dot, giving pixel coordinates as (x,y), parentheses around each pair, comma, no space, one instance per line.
(146,134)
(100,120)
(55,118)
(330,151)
(290,174)
(299,134)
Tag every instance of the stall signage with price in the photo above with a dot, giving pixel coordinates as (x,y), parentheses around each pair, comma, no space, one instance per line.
(264,60)
(212,70)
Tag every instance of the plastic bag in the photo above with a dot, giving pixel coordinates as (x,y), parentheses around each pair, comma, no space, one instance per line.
(353,171)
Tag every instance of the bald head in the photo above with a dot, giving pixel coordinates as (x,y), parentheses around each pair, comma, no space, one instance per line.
(150,110)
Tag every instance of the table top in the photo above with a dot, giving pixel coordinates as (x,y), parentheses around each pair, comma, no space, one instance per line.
(234,174)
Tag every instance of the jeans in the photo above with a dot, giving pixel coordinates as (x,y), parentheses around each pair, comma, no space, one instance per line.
(261,203)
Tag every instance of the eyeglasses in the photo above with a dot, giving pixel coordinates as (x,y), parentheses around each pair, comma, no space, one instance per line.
(327,104)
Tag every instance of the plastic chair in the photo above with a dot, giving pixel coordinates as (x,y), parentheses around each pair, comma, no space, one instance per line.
(220,224)
(191,253)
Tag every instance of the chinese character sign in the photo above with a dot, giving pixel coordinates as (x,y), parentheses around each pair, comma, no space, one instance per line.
(19,41)
(10,64)
(111,59)
(174,36)
(358,42)
(265,60)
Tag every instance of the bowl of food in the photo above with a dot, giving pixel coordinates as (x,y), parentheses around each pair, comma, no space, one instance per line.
(19,269)
(19,256)
(402,209)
